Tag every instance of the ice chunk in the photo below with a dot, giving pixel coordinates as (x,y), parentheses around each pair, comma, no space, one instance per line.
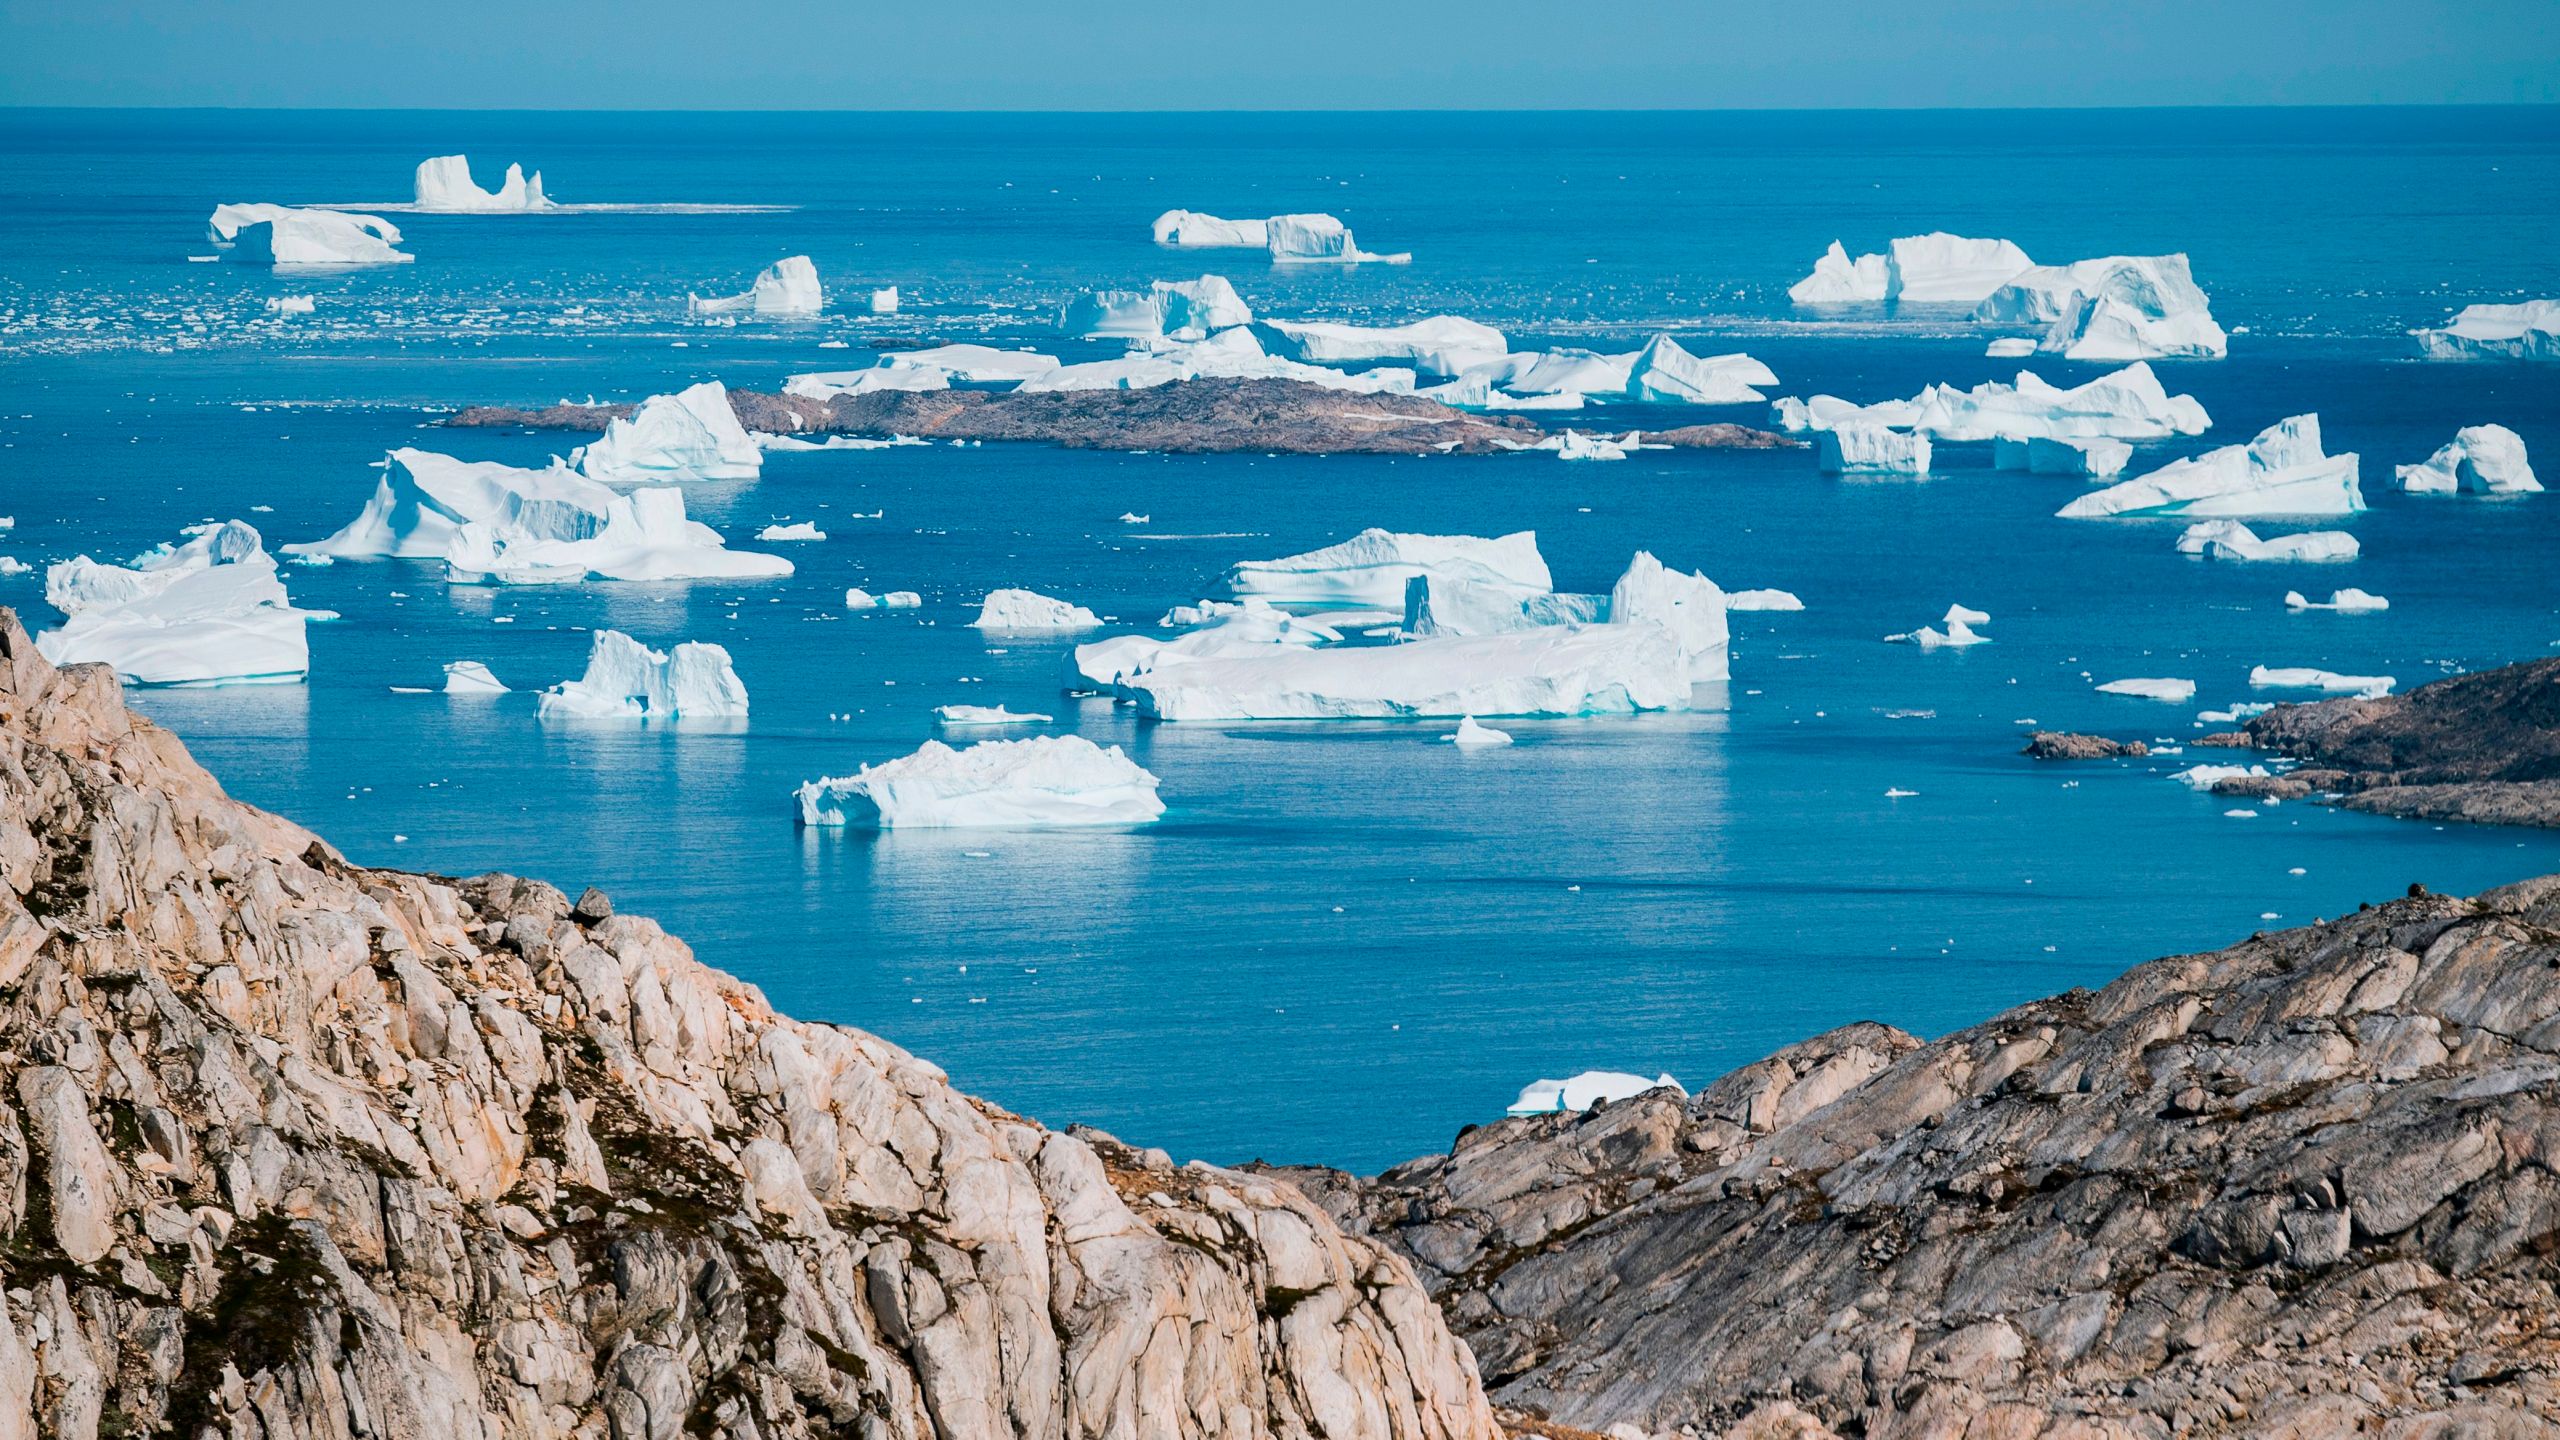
(1469,735)
(1590,1088)
(1179,309)
(901,600)
(1045,782)
(1028,611)
(803,530)
(1191,230)
(1932,269)
(1233,353)
(1761,600)
(597,534)
(470,677)
(693,434)
(973,364)
(1251,628)
(2205,777)
(2282,472)
(956,716)
(2345,602)
(2530,331)
(1866,447)
(2126,404)
(1443,345)
(2263,677)
(1316,239)
(208,611)
(1690,606)
(2010,347)
(793,444)
(424,497)
(786,287)
(286,235)
(444,185)
(2118,307)
(1958,635)
(1839,280)
(1665,373)
(1372,568)
(2231,540)
(1574,445)
(2479,460)
(627,680)
(884,301)
(291,304)
(2097,459)
(2176,692)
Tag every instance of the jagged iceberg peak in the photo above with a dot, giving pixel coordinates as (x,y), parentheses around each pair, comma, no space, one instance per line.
(2119,307)
(1167,309)
(1045,782)
(1289,239)
(1689,606)
(2281,472)
(1373,568)
(1932,269)
(626,680)
(2478,460)
(2126,404)
(788,286)
(445,186)
(1660,373)
(298,236)
(211,610)
(693,434)
(2526,331)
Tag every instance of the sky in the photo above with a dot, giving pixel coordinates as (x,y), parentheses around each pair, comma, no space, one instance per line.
(1289,55)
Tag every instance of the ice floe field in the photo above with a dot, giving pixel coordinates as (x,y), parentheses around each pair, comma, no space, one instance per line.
(1342,939)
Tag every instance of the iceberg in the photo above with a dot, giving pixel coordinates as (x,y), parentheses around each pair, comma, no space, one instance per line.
(291,304)
(1664,373)
(1252,628)
(1761,600)
(693,434)
(2231,540)
(1443,605)
(955,716)
(860,599)
(1932,269)
(1191,230)
(2479,460)
(1443,345)
(1373,568)
(1044,782)
(2010,347)
(627,680)
(641,535)
(2176,692)
(1660,373)
(2262,677)
(210,610)
(972,364)
(1839,280)
(287,235)
(2205,777)
(884,301)
(828,384)
(445,186)
(423,498)
(1230,354)
(2118,307)
(1318,239)
(470,677)
(1177,309)
(2530,331)
(804,530)
(1029,612)
(1864,446)
(1583,1091)
(1471,736)
(786,287)
(2346,602)
(2281,472)
(2097,459)
(2126,404)
(1574,445)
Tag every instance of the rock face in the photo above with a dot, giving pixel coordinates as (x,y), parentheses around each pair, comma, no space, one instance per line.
(2306,1186)
(298,1149)
(2068,745)
(2483,747)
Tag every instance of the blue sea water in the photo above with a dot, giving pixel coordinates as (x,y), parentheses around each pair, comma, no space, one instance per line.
(1344,941)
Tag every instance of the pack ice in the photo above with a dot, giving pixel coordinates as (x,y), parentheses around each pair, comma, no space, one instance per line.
(1581,1092)
(210,610)
(2281,472)
(444,185)
(1046,782)
(292,236)
(626,680)
(2118,307)
(2479,460)
(1175,309)
(1932,269)
(693,434)
(2529,331)
(2126,404)
(788,286)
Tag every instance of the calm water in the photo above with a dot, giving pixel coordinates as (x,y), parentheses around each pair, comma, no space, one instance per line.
(1344,941)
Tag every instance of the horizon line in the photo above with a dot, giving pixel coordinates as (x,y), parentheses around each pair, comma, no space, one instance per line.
(2268,107)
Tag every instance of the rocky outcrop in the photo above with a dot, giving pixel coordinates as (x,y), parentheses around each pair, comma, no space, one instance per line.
(2069,745)
(300,1149)
(2306,1186)
(2483,747)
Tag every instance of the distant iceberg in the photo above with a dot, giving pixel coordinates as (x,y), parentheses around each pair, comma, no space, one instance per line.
(2231,540)
(627,680)
(1660,373)
(2281,472)
(884,301)
(2096,459)
(2126,404)
(1218,631)
(2530,331)
(2479,460)
(2175,692)
(209,611)
(1230,354)
(1864,446)
(1932,269)
(445,186)
(1374,567)
(470,677)
(1045,782)
(788,286)
(1443,345)
(1191,230)
(2349,601)
(960,716)
(1582,1092)
(1176,309)
(1028,611)
(972,364)
(291,236)
(802,530)
(1762,600)
(1665,373)
(1574,445)
(693,434)
(2120,307)
(2262,677)
(1289,239)
(1471,736)
(1959,632)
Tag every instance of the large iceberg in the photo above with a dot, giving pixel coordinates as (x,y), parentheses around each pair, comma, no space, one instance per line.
(1443,345)
(1290,239)
(1231,354)
(693,434)
(2231,540)
(208,611)
(2126,404)
(2281,472)
(627,680)
(1175,309)
(1191,230)
(2479,460)
(287,235)
(1932,269)
(2118,307)
(2530,331)
(1030,612)
(1865,446)
(1662,372)
(1373,568)
(1583,1091)
(445,185)
(788,286)
(1049,781)
(1253,628)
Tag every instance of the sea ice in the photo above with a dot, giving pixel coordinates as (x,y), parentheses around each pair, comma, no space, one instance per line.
(2126,404)
(627,680)
(2262,677)
(1372,568)
(2176,692)
(1028,611)
(1469,735)
(470,677)
(1443,345)
(803,530)
(1175,309)
(2231,540)
(1932,269)
(286,235)
(444,185)
(1583,1091)
(786,287)
(1044,782)
(956,716)
(1863,446)
(2281,472)
(2479,460)
(208,611)
(693,434)
(2345,602)
(2530,331)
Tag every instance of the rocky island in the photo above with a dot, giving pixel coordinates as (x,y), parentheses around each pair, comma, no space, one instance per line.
(2483,747)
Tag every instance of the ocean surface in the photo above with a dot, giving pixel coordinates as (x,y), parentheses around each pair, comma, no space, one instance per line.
(1344,941)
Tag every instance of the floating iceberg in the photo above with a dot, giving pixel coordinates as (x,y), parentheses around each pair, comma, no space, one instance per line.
(1761,600)
(2262,677)
(2530,331)
(1318,239)
(2231,540)
(884,301)
(828,384)
(424,497)
(860,599)
(1664,373)
(1031,612)
(804,530)
(1932,269)
(693,434)
(470,677)
(1574,445)
(2205,777)
(973,364)
(291,304)
(1471,736)
(2176,692)
(286,235)
(2346,602)
(1443,345)
(1863,446)
(2281,472)
(2098,459)
(1442,605)
(208,611)
(1191,230)
(1661,372)
(2119,307)
(1220,632)
(2479,460)
(1176,309)
(786,287)
(1043,782)
(1583,1091)
(956,716)
(1230,354)
(1373,568)
(641,535)
(2127,404)
(627,680)
(445,186)
(2010,347)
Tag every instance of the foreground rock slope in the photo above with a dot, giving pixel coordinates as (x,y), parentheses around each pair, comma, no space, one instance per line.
(299,1149)
(2306,1186)
(2482,747)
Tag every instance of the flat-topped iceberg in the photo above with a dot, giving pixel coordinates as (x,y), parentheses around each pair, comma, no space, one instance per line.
(1442,345)
(2126,404)
(1583,1091)
(1373,568)
(1780,600)
(1932,269)
(788,286)
(2478,460)
(693,434)
(2303,677)
(1167,309)
(828,384)
(1864,446)
(1028,611)
(2175,692)
(292,236)
(1046,782)
(627,680)
(2281,472)
(2231,540)
(1192,230)
(2118,307)
(444,185)
(1289,239)
(972,364)
(2349,601)
(2529,331)
(802,530)
(211,610)
(563,538)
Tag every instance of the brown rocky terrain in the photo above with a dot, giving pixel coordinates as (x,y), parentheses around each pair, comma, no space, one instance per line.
(2483,747)
(2069,745)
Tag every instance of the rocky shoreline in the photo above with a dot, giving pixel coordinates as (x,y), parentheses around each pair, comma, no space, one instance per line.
(2483,747)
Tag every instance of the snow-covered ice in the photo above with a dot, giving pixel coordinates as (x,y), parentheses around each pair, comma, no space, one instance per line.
(956,716)
(801,530)
(627,680)
(210,610)
(1583,1091)
(470,677)
(2478,460)
(884,301)
(445,186)
(1048,781)
(2176,692)
(2095,459)
(1761,600)
(1028,611)
(292,236)
(2205,777)
(2118,307)
(2303,677)
(788,286)
(1471,736)
(1372,568)
(1174,309)
(693,434)
(1932,269)
(2231,540)
(2281,472)
(2346,602)
(2528,331)
(2126,404)
(1442,345)
(1868,447)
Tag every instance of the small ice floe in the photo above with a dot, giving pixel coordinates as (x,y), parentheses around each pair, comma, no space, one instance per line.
(12,565)
(411,690)
(1863,447)
(290,304)
(1043,782)
(1469,735)
(2479,460)
(627,680)
(801,530)
(2176,692)
(1574,445)
(1591,1087)
(860,599)
(2282,472)
(2009,347)
(1131,517)
(2345,602)
(2205,777)
(2231,540)
(1029,612)
(470,677)
(786,287)
(955,716)
(2244,710)
(2262,677)
(1959,621)
(2240,814)
(1898,793)
(1761,600)
(884,301)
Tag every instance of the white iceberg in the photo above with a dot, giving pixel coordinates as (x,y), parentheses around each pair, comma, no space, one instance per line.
(1028,611)
(1177,309)
(2349,601)
(828,384)
(1442,345)
(1932,269)
(793,445)
(1318,239)
(2231,540)
(1574,445)
(957,716)
(1230,354)
(2010,347)
(2176,692)
(1220,631)
(1665,373)
(2530,331)
(2281,472)
(973,364)
(1471,736)
(2095,459)
(861,599)
(884,301)
(803,530)
(1869,447)
(291,304)
(1761,600)
(470,677)
(2126,404)
(627,680)
(2262,677)
(1583,1091)
(693,434)
(424,497)
(1373,567)
(287,235)
(208,611)
(2118,307)
(1043,782)
(445,186)
(2479,460)
(1443,605)
(2205,777)
(786,287)
(641,535)
(1191,230)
